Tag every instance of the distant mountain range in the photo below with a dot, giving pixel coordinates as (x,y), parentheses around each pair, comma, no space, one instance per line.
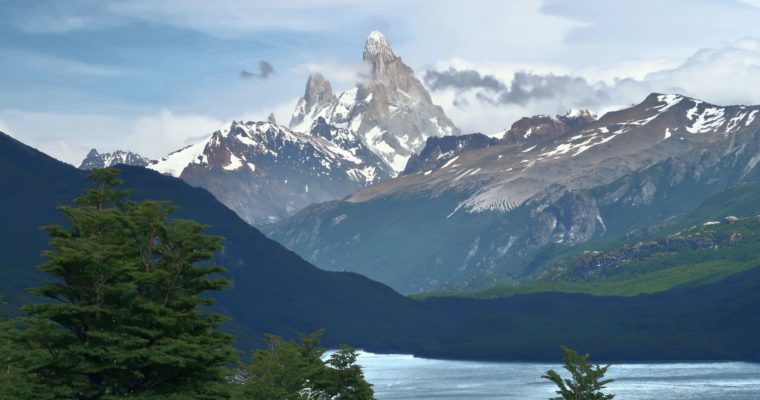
(377,180)
(334,146)
(468,211)
(95,160)
(276,291)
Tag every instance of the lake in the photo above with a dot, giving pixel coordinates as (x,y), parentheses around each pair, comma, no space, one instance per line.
(408,377)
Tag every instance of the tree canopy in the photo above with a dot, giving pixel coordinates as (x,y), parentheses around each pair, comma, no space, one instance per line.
(124,315)
(586,381)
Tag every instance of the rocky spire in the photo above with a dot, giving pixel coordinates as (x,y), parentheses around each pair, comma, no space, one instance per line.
(376,46)
(318,91)
(392,112)
(271,119)
(317,96)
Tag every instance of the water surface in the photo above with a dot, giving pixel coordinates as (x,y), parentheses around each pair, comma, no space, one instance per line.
(407,377)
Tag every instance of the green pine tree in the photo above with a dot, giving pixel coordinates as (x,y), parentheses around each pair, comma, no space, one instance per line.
(347,378)
(124,315)
(291,370)
(586,381)
(281,370)
(13,384)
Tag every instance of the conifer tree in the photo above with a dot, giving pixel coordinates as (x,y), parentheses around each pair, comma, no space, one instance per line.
(346,376)
(13,384)
(586,381)
(124,315)
(290,370)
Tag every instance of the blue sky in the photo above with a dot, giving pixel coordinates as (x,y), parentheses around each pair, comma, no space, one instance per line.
(153,76)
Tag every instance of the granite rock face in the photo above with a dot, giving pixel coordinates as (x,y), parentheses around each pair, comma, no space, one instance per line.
(391,111)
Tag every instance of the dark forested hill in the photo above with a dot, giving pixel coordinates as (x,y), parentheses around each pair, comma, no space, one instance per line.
(273,290)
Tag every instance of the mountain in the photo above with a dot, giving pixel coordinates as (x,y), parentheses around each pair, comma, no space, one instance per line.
(266,172)
(391,111)
(541,127)
(335,145)
(95,160)
(276,291)
(273,289)
(440,151)
(472,221)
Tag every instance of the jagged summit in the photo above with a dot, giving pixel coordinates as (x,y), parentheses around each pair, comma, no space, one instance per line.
(271,119)
(266,172)
(318,90)
(541,127)
(96,160)
(392,112)
(376,45)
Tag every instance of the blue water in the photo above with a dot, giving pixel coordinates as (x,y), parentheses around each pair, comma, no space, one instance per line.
(407,377)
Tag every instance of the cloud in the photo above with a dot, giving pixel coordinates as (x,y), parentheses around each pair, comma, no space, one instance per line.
(58,17)
(265,69)
(342,75)
(464,79)
(481,102)
(68,137)
(158,135)
(59,65)
(726,75)
(525,87)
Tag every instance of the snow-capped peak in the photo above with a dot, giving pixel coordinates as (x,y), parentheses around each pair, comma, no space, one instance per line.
(95,160)
(376,44)
(577,113)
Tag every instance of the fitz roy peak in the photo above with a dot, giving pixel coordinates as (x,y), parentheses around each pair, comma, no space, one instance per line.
(391,111)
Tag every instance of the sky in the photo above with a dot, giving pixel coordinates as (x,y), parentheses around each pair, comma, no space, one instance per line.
(154,76)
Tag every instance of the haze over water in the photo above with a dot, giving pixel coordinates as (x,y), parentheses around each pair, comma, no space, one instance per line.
(407,377)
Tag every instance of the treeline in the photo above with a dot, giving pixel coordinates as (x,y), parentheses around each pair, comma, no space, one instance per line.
(125,316)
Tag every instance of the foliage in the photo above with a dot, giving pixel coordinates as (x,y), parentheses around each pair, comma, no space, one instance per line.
(13,382)
(586,381)
(346,379)
(124,315)
(291,370)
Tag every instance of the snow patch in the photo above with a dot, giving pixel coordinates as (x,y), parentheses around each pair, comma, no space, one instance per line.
(449,162)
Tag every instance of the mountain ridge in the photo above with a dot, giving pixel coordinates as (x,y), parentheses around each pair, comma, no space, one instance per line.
(486,208)
(94,159)
(334,145)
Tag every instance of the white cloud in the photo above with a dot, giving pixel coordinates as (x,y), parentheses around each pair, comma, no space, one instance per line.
(156,135)
(68,137)
(58,65)
(342,75)
(725,75)
(633,69)
(231,17)
(282,113)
